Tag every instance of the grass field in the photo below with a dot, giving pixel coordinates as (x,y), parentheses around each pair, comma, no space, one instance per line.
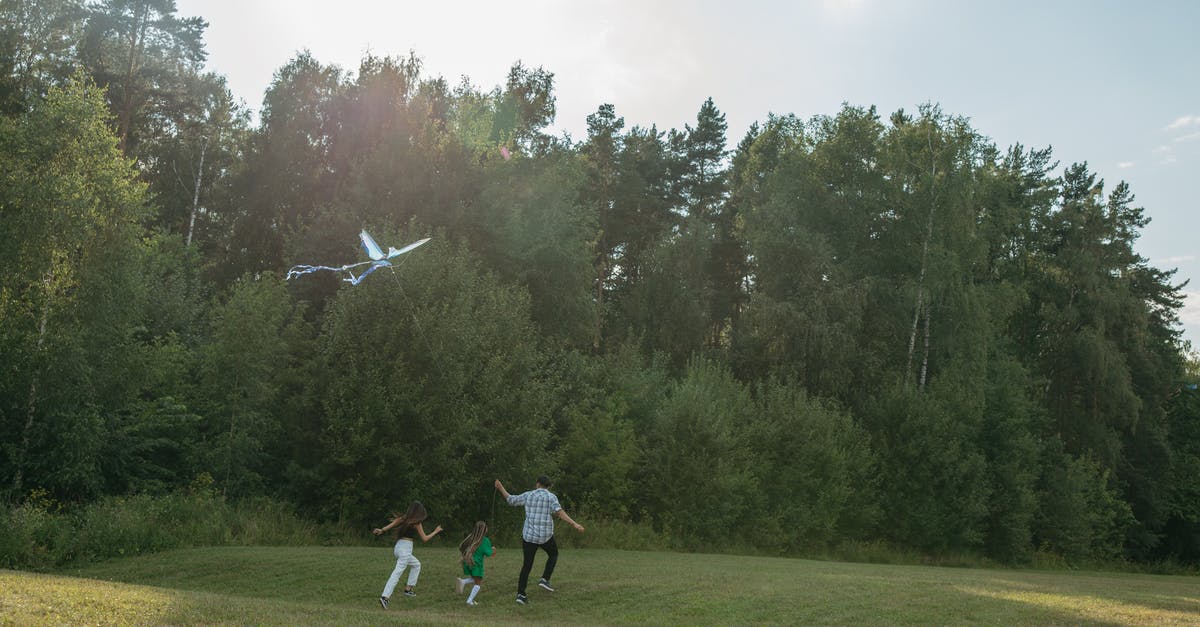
(327,585)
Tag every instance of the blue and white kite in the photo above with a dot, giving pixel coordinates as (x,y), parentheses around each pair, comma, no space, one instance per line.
(378,260)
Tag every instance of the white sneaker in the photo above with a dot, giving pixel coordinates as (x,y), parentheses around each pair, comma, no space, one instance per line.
(472,602)
(458,585)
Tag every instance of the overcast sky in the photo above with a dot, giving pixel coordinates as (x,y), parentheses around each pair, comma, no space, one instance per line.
(1116,84)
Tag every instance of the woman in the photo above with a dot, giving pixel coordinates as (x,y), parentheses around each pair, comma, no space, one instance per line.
(406,528)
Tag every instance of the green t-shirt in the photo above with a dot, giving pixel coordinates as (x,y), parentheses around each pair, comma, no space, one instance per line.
(484,550)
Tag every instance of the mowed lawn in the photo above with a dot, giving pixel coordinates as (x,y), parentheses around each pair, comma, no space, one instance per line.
(339,585)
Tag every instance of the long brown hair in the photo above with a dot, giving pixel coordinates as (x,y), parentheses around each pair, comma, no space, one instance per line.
(415,514)
(471,543)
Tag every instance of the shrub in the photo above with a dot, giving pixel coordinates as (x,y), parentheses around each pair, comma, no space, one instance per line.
(40,535)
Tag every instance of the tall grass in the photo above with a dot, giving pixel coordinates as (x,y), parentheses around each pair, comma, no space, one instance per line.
(40,534)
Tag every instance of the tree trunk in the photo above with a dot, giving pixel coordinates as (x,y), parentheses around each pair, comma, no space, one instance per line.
(921,303)
(601,273)
(925,357)
(912,335)
(137,37)
(196,193)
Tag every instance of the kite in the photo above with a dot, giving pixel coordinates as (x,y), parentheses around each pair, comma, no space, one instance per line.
(378,260)
(504,152)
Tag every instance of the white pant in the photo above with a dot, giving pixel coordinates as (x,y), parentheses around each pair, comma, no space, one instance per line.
(404,558)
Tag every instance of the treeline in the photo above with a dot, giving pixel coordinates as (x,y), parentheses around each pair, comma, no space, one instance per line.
(850,328)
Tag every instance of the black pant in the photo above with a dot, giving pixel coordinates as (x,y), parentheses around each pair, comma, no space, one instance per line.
(530,549)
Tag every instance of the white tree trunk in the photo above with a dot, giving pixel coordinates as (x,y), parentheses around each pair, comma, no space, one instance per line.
(196,192)
(925,358)
(922,304)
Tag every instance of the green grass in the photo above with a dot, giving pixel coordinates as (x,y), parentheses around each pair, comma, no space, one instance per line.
(339,585)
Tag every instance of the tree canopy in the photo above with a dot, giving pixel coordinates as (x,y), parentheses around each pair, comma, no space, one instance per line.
(855,327)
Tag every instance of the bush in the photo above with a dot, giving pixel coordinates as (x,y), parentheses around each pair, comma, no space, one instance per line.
(40,535)
(30,531)
(616,534)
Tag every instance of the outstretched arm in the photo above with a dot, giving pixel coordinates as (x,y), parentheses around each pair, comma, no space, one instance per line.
(562,513)
(379,530)
(424,536)
(511,499)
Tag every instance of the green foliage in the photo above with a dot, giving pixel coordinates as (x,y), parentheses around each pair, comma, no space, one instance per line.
(37,38)
(698,475)
(853,330)
(819,473)
(40,534)
(435,386)
(69,307)
(531,232)
(1082,516)
(142,53)
(241,370)
(1012,421)
(933,487)
(33,531)
(1183,523)
(607,407)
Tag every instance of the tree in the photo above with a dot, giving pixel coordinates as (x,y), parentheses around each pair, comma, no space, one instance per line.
(1182,528)
(454,380)
(598,194)
(822,483)
(806,199)
(525,107)
(287,176)
(191,163)
(606,404)
(70,304)
(38,40)
(714,221)
(241,371)
(533,231)
(697,470)
(140,51)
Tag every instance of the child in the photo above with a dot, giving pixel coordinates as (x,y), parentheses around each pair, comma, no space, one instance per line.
(474,548)
(407,527)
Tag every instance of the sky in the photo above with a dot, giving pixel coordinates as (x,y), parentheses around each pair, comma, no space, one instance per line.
(1113,83)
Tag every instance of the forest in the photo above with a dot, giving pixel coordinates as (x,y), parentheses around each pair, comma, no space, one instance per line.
(858,327)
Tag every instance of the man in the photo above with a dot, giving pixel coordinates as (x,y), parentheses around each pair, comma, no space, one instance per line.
(540,508)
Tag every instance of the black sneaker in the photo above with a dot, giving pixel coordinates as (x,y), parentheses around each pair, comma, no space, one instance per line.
(521,599)
(383,601)
(409,593)
(544,584)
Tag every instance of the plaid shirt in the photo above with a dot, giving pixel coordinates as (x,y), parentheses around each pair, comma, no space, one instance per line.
(540,507)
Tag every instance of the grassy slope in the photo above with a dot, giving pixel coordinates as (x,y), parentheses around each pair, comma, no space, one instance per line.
(339,586)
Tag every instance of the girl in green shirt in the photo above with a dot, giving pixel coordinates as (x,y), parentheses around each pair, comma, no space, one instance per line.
(474,548)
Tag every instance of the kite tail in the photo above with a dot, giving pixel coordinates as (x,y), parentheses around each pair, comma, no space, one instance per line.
(301,270)
(356,280)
